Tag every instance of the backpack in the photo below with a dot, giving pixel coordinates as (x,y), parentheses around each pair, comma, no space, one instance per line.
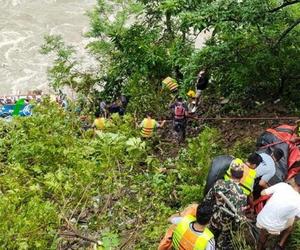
(179,111)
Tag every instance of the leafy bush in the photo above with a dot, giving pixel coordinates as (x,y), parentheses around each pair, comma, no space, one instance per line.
(59,186)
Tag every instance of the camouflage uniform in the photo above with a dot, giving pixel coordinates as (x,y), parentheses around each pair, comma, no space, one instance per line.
(222,223)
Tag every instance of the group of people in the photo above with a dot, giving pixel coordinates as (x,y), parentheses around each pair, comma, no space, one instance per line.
(181,110)
(212,223)
(105,110)
(11,100)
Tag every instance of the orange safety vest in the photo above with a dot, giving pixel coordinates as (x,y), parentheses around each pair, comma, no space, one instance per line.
(170,83)
(185,239)
(148,126)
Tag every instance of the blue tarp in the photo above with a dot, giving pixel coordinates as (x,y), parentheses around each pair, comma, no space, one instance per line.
(8,109)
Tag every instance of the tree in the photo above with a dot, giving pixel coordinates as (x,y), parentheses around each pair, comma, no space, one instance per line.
(252,53)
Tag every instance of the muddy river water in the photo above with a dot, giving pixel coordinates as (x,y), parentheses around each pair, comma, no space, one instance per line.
(23,24)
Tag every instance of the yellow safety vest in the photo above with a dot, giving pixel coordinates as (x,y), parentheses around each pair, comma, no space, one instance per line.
(148,126)
(247,181)
(100,123)
(170,83)
(185,239)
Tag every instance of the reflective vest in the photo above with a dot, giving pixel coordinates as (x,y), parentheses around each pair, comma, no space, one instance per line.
(185,239)
(100,123)
(148,126)
(247,181)
(170,83)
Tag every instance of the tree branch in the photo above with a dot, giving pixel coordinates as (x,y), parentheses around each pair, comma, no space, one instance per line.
(285,4)
(76,235)
(284,34)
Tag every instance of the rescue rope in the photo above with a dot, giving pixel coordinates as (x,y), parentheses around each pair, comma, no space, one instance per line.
(248,118)
(241,118)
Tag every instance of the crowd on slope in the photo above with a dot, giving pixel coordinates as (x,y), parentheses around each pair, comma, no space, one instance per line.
(181,110)
(213,223)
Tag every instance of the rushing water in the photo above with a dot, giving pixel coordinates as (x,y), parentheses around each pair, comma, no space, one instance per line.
(23,24)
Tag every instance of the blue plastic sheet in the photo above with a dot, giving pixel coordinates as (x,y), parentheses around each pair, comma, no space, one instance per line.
(8,109)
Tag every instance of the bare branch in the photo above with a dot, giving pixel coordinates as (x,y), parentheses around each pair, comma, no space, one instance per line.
(285,4)
(77,235)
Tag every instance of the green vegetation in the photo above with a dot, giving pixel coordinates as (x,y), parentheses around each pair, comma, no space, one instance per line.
(252,54)
(62,187)
(57,181)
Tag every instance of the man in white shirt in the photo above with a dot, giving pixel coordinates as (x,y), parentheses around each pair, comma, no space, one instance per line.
(267,169)
(278,215)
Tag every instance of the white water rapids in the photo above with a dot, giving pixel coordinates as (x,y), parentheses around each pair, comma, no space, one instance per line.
(23,24)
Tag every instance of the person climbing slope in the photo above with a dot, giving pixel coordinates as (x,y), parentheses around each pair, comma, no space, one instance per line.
(180,114)
(148,126)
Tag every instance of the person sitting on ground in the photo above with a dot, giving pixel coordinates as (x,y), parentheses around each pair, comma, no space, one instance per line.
(116,107)
(278,215)
(180,114)
(189,230)
(99,122)
(149,125)
(267,169)
(201,84)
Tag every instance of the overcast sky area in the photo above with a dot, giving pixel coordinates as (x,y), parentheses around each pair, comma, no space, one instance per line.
(23,24)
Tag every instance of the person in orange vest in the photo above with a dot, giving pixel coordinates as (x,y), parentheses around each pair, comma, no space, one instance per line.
(149,125)
(189,230)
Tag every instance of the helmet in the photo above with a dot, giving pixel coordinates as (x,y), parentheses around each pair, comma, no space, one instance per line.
(237,168)
(191,93)
(237,164)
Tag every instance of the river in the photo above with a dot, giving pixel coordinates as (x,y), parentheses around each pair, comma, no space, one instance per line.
(23,24)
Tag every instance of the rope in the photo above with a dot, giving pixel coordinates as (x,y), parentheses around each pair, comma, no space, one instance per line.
(241,118)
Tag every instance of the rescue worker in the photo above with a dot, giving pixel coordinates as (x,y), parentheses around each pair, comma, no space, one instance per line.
(116,107)
(266,170)
(149,125)
(170,84)
(103,108)
(278,215)
(189,230)
(249,175)
(223,224)
(99,122)
(192,102)
(180,115)
(201,84)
